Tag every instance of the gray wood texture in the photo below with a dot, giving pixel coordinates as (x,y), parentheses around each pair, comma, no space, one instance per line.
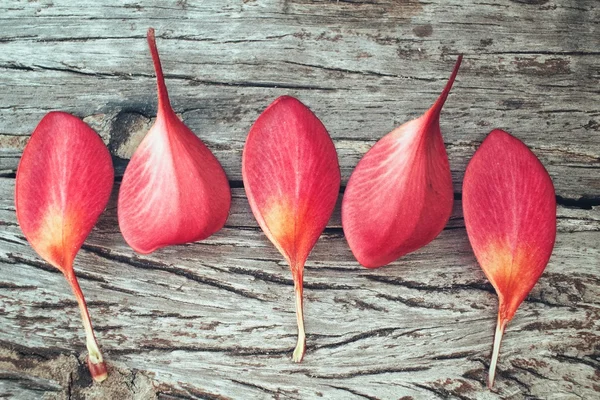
(215,320)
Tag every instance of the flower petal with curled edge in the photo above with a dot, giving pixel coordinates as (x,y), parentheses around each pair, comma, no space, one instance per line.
(509,206)
(63,184)
(292,178)
(399,196)
(174,189)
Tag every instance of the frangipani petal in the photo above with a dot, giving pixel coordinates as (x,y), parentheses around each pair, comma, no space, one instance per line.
(399,197)
(292,179)
(174,190)
(63,184)
(509,207)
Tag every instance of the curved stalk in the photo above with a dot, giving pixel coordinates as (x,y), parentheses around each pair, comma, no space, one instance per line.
(163,94)
(95,361)
(500,327)
(301,345)
(436,109)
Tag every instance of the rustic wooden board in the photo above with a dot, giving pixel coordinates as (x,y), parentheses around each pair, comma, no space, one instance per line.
(216,319)
(363,67)
(217,316)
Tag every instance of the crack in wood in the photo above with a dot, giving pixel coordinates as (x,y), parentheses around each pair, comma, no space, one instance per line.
(417,303)
(12,286)
(575,202)
(508,375)
(157,266)
(161,314)
(363,73)
(456,356)
(30,383)
(369,372)
(118,289)
(202,394)
(478,375)
(441,392)
(576,360)
(354,392)
(62,304)
(475,285)
(584,203)
(187,78)
(231,350)
(265,276)
(382,332)
(261,388)
(529,370)
(12,258)
(38,353)
(542,53)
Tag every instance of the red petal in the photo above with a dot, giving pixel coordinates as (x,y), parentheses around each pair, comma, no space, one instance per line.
(63,184)
(399,197)
(510,213)
(174,190)
(64,181)
(509,207)
(292,179)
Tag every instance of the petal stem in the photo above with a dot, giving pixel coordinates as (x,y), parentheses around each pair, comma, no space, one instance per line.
(500,327)
(95,361)
(301,346)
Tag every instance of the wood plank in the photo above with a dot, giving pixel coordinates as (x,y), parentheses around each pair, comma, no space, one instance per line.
(218,315)
(361,79)
(215,320)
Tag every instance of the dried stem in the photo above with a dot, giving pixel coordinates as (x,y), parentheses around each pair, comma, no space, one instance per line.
(500,327)
(95,361)
(301,346)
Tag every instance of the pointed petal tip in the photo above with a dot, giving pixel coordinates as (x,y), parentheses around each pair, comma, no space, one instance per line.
(499,133)
(60,118)
(285,97)
(498,136)
(151,39)
(436,109)
(285,101)
(164,104)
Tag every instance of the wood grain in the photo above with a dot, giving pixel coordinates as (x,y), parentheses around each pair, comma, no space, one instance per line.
(215,320)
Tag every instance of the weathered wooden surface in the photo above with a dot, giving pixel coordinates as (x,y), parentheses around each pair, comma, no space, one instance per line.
(216,318)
